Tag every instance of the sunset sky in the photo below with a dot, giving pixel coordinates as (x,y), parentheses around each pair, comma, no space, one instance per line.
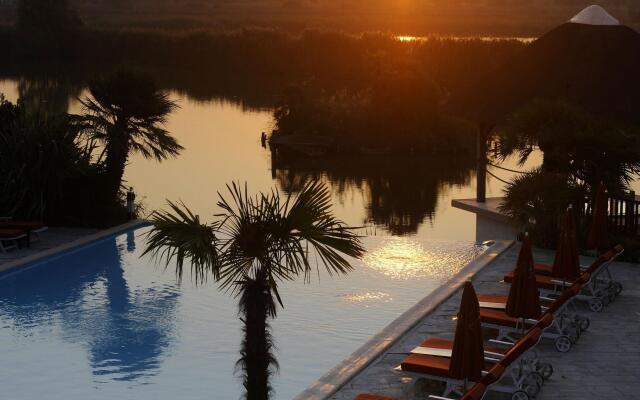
(408,17)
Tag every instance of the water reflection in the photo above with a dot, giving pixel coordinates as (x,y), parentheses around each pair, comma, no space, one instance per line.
(401,193)
(54,90)
(125,328)
(223,143)
(367,297)
(403,258)
(48,94)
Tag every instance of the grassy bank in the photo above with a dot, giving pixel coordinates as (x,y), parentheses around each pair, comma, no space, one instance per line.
(191,61)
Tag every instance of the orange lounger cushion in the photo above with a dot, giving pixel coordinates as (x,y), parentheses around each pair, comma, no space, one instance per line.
(437,343)
(26,225)
(499,317)
(543,269)
(365,396)
(492,301)
(10,233)
(428,365)
(542,281)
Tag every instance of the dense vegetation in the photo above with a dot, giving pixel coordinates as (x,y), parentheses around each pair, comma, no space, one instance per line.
(581,150)
(202,62)
(47,172)
(398,113)
(125,113)
(67,169)
(363,93)
(353,87)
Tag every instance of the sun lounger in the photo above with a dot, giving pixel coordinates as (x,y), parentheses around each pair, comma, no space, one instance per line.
(604,260)
(31,228)
(518,382)
(528,365)
(499,302)
(597,292)
(10,237)
(557,324)
(602,274)
(437,368)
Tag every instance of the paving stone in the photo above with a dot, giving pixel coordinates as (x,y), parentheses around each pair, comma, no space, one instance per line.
(49,239)
(603,364)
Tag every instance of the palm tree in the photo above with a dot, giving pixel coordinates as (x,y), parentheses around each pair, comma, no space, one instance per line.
(574,142)
(254,244)
(126,112)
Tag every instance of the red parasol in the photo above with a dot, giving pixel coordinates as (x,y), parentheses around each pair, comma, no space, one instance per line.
(467,358)
(523,301)
(598,237)
(566,264)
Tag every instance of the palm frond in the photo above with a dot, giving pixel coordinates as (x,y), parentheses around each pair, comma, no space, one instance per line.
(178,236)
(309,220)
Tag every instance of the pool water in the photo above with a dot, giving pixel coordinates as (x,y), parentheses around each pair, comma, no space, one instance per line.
(102,322)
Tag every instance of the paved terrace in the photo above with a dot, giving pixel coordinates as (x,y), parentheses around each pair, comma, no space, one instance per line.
(603,364)
(58,240)
(49,239)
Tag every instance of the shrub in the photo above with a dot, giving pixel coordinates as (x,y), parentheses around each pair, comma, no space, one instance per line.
(46,171)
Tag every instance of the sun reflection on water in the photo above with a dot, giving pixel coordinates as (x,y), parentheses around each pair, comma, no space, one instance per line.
(368,297)
(404,258)
(407,38)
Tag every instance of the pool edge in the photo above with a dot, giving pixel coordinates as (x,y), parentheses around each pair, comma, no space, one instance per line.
(72,245)
(351,366)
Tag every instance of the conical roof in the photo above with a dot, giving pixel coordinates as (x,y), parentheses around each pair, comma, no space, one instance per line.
(592,66)
(594,15)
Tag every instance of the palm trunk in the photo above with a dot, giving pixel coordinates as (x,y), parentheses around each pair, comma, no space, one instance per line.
(117,150)
(256,358)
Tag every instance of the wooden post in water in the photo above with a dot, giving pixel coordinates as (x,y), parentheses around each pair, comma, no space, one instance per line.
(481,165)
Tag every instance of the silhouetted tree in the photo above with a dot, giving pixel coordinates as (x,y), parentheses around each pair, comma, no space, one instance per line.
(47,94)
(126,113)
(256,243)
(582,145)
(41,157)
(580,150)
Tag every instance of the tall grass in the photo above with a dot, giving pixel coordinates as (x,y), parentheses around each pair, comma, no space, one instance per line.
(270,58)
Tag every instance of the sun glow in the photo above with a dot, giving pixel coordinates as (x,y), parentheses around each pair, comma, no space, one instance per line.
(404,258)
(368,297)
(408,38)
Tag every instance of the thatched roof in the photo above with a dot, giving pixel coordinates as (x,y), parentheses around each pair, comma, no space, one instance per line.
(594,15)
(596,67)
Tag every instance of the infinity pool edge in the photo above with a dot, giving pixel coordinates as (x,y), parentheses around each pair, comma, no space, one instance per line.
(70,246)
(358,361)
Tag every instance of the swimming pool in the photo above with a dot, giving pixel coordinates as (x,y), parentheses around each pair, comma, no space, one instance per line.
(103,323)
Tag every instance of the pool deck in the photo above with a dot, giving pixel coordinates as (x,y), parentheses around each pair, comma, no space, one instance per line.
(604,363)
(51,238)
(56,240)
(383,341)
